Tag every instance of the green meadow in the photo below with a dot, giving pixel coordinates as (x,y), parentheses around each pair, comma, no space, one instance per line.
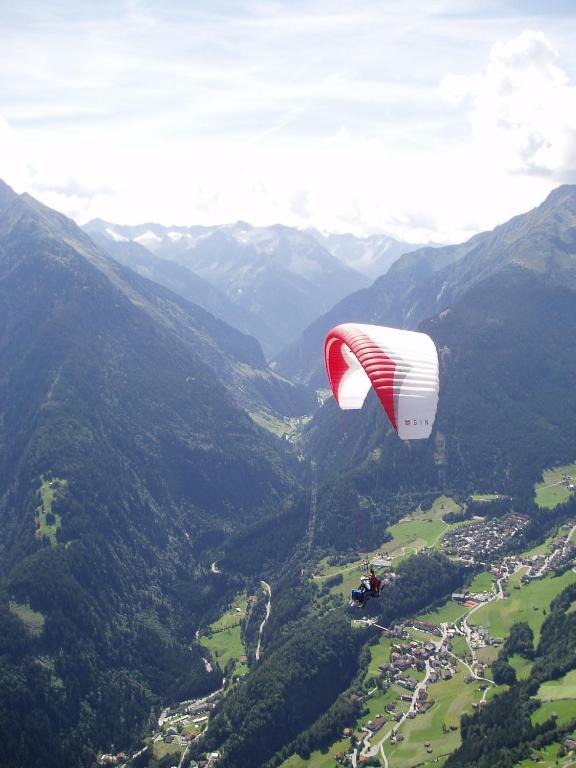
(224,639)
(527,604)
(550,492)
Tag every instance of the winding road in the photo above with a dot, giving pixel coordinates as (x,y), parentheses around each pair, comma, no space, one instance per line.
(266,588)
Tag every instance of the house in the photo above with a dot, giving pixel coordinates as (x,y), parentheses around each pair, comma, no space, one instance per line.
(570,742)
(376,724)
(427,626)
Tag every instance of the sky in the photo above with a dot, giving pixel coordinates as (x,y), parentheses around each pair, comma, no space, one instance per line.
(428,120)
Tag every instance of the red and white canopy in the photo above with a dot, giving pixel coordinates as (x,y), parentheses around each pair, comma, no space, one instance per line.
(402,366)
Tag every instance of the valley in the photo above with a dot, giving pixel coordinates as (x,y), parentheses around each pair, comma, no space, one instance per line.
(425,672)
(183,523)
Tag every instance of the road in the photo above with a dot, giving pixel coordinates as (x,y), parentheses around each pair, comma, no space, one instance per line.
(266,588)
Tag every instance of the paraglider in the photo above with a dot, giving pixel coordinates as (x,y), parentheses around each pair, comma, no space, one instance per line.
(401,366)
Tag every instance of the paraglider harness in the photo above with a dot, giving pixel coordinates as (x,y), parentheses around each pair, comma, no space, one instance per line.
(369,587)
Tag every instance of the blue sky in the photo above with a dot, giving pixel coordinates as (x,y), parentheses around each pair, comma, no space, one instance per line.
(427,120)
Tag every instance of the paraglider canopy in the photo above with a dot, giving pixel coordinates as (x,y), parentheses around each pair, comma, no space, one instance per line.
(402,366)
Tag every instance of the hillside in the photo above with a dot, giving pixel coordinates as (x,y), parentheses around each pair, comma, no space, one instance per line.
(122,455)
(425,282)
(279,275)
(506,409)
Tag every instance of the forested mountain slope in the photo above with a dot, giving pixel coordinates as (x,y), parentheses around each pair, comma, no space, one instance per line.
(507,408)
(184,282)
(425,282)
(121,454)
(283,277)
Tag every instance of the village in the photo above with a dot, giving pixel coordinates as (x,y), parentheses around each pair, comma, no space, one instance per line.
(422,653)
(478,542)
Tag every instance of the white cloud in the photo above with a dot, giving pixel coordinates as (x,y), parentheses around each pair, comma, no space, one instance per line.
(315,113)
(523,107)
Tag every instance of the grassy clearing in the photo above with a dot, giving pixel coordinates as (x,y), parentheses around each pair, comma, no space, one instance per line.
(522,666)
(449,612)
(234,615)
(563,688)
(528,604)
(485,497)
(33,620)
(548,758)
(225,642)
(550,493)
(281,427)
(380,654)
(415,535)
(460,646)
(482,582)
(161,749)
(47,521)
(318,759)
(224,646)
(563,709)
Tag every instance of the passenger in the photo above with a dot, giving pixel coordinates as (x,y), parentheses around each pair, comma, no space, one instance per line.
(375,583)
(359,595)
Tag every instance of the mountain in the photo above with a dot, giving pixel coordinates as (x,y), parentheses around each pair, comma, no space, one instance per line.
(185,283)
(125,451)
(507,409)
(424,282)
(283,277)
(371,256)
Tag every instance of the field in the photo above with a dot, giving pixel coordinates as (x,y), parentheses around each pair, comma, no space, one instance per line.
(564,709)
(556,690)
(225,642)
(527,604)
(318,759)
(48,522)
(452,698)
(161,749)
(550,493)
(548,756)
(460,646)
(522,666)
(281,427)
(449,612)
(481,583)
(33,620)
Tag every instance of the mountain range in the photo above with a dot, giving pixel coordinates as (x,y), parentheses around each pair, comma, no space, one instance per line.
(372,255)
(131,457)
(125,449)
(424,282)
(280,277)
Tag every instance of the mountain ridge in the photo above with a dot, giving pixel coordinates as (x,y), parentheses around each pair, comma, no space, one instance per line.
(282,276)
(424,282)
